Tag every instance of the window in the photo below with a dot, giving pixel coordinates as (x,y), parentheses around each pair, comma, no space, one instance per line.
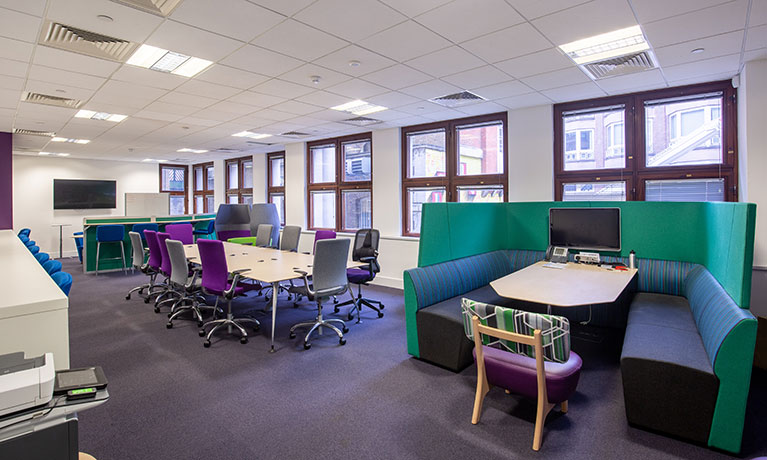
(203,188)
(275,182)
(671,144)
(340,183)
(460,160)
(239,180)
(173,181)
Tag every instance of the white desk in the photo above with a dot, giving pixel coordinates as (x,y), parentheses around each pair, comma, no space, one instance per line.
(265,265)
(574,285)
(34,312)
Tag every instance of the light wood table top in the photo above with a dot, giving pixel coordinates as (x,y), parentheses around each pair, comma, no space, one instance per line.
(574,285)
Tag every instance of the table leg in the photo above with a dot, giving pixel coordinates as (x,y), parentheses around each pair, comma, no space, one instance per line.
(275,291)
(61,240)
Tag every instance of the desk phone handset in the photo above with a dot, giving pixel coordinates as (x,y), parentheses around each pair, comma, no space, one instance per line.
(556,254)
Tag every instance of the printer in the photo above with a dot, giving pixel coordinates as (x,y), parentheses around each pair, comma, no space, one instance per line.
(25,382)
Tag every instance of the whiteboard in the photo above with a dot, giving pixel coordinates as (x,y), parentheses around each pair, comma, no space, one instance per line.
(147,204)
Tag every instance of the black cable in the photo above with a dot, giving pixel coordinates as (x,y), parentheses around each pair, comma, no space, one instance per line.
(55,404)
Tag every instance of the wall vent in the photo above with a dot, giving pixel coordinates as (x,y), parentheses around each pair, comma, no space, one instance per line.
(37,98)
(622,65)
(159,7)
(81,41)
(31,132)
(457,99)
(361,121)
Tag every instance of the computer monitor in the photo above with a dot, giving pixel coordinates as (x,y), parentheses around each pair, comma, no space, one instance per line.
(596,229)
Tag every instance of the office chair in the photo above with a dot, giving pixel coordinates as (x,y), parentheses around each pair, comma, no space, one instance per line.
(164,271)
(181,232)
(24,238)
(29,243)
(78,237)
(319,235)
(264,236)
(187,286)
(365,250)
(52,266)
(110,234)
(139,228)
(34,249)
(42,257)
(328,280)
(64,281)
(139,255)
(289,240)
(215,281)
(517,359)
(154,262)
(24,232)
(206,231)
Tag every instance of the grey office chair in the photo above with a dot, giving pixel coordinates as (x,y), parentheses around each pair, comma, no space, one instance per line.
(264,236)
(139,255)
(328,280)
(188,288)
(291,235)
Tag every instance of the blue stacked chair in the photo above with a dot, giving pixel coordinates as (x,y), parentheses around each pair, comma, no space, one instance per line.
(34,249)
(24,232)
(110,234)
(79,244)
(139,228)
(52,266)
(24,238)
(29,243)
(207,231)
(42,257)
(64,280)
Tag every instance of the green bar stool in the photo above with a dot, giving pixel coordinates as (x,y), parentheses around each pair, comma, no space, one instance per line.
(110,234)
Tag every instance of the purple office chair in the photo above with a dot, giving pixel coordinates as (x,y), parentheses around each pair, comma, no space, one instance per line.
(215,281)
(323,235)
(224,235)
(181,232)
(164,270)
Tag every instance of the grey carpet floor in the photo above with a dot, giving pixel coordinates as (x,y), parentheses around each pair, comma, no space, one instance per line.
(173,399)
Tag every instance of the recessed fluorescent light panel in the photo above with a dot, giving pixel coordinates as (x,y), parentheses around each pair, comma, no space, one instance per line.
(162,60)
(148,160)
(186,150)
(113,117)
(251,135)
(612,44)
(71,141)
(54,154)
(359,107)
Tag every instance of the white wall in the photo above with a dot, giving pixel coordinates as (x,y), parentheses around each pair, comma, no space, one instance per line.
(33,194)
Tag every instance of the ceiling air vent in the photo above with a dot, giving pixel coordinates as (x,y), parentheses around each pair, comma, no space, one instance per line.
(227,150)
(30,132)
(361,121)
(258,143)
(159,7)
(37,98)
(622,65)
(81,41)
(295,134)
(457,99)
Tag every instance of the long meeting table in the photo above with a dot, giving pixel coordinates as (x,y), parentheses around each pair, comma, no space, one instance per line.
(267,265)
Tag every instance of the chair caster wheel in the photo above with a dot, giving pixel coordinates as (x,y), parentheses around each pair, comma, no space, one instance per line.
(127,297)
(146,300)
(170,314)
(335,301)
(382,306)
(349,317)
(199,324)
(169,325)
(256,328)
(380,314)
(345,330)
(307,345)
(292,335)
(206,344)
(157,309)
(342,341)
(335,310)
(201,332)
(295,305)
(243,340)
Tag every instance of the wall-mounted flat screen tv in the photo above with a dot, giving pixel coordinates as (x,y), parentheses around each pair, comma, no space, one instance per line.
(596,229)
(84,194)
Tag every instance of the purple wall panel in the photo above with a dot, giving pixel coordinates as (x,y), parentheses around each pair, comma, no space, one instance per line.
(6,181)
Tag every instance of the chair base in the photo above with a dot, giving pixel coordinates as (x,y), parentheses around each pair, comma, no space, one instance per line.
(140,290)
(230,323)
(178,309)
(122,255)
(317,325)
(358,302)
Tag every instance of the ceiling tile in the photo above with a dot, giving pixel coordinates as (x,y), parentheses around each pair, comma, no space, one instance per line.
(593,18)
(74,62)
(33,7)
(297,108)
(57,89)
(421,108)
(331,115)
(192,100)
(283,89)
(475,78)
(405,41)
(652,10)
(532,9)
(703,79)
(525,100)
(447,114)
(19,26)
(229,76)
(502,90)
(276,115)
(175,109)
(52,75)
(15,49)
(720,65)
(411,8)
(463,20)
(555,79)
(517,41)
(133,128)
(84,129)
(192,41)
(357,89)
(299,40)
(574,92)
(142,76)
(393,99)
(396,77)
(256,100)
(110,108)
(232,107)
(207,89)
(303,76)
(482,108)
(161,116)
(430,89)
(758,13)
(11,83)
(128,94)
(535,63)
(199,121)
(632,82)
(755,55)
(350,20)
(13,68)
(756,37)
(219,116)
(286,7)
(238,19)
(368,61)
(719,45)
(262,61)
(252,121)
(445,62)
(129,23)
(703,23)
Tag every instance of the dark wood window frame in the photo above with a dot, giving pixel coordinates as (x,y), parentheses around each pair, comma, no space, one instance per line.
(452,180)
(205,192)
(635,172)
(275,190)
(339,185)
(185,193)
(239,190)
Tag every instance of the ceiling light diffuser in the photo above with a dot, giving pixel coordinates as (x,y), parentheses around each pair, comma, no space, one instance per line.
(71,141)
(100,116)
(251,135)
(162,60)
(188,150)
(359,107)
(612,44)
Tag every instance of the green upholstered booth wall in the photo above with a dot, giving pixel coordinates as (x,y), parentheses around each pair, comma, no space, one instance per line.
(719,236)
